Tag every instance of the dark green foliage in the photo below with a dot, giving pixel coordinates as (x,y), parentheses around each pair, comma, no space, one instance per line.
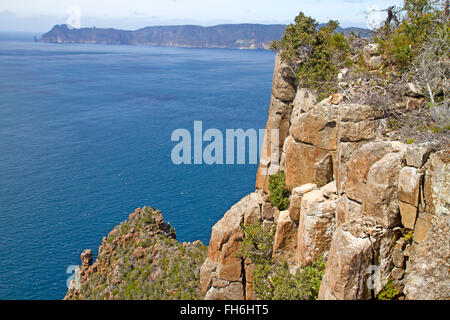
(258,242)
(315,54)
(278,193)
(272,280)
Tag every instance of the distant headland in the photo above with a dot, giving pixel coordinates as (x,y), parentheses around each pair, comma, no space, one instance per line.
(232,36)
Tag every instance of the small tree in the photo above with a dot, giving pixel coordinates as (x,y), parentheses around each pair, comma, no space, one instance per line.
(278,193)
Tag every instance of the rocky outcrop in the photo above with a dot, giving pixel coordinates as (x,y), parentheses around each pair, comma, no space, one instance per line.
(277,126)
(222,275)
(370,205)
(140,259)
(427,273)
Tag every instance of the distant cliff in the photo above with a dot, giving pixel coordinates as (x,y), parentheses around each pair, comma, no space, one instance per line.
(232,36)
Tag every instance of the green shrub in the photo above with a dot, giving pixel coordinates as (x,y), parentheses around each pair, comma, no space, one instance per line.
(402,45)
(272,280)
(278,193)
(389,292)
(409,236)
(316,55)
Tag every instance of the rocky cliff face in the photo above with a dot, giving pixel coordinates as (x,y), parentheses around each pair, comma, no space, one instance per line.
(376,208)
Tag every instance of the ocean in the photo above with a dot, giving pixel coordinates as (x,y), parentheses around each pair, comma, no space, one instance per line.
(85,138)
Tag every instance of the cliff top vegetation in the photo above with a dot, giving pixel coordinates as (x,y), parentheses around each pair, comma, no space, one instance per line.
(403,69)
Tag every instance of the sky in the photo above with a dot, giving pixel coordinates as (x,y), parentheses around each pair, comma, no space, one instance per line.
(41,15)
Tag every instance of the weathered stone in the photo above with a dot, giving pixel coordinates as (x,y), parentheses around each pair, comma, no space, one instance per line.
(380,193)
(267,210)
(357,131)
(252,213)
(336,98)
(408,215)
(283,83)
(316,127)
(323,170)
(329,189)
(346,210)
(304,101)
(437,183)
(249,272)
(296,199)
(207,274)
(427,274)
(223,262)
(285,241)
(375,62)
(359,165)
(233,291)
(276,214)
(370,50)
(316,226)
(398,258)
(417,155)
(401,243)
(423,225)
(300,161)
(86,258)
(409,182)
(414,103)
(343,154)
(354,112)
(348,263)
(398,273)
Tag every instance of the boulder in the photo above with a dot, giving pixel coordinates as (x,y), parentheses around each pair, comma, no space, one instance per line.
(408,215)
(423,225)
(296,199)
(412,90)
(409,182)
(283,83)
(252,212)
(329,190)
(232,291)
(359,166)
(316,226)
(417,155)
(285,241)
(370,50)
(380,198)
(348,263)
(316,127)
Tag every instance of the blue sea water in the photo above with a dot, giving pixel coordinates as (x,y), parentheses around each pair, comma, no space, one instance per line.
(85,139)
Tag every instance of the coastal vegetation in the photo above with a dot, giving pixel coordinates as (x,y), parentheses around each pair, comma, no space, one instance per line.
(274,279)
(141,259)
(403,68)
